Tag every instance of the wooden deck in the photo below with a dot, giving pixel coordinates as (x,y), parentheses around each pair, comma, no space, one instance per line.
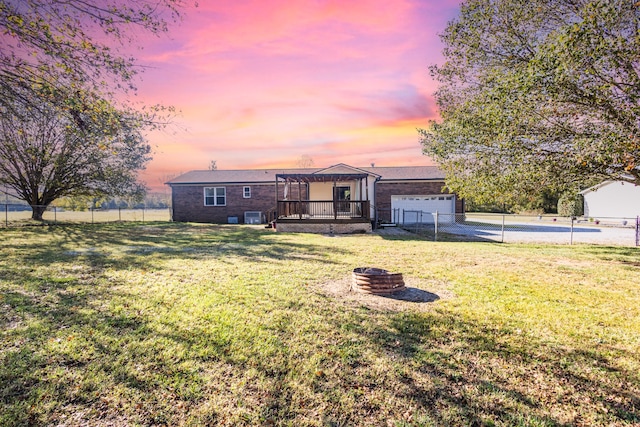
(324,211)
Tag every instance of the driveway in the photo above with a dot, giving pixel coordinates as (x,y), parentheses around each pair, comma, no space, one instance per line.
(543,233)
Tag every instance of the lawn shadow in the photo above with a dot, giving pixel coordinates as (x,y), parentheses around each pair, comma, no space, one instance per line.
(483,373)
(124,246)
(410,294)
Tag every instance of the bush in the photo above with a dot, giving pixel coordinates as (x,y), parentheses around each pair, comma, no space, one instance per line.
(571,204)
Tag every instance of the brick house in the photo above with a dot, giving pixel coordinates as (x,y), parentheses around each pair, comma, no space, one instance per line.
(340,198)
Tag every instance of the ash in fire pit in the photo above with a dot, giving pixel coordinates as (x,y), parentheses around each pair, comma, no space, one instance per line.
(371,280)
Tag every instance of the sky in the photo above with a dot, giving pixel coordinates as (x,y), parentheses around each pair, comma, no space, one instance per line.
(266,83)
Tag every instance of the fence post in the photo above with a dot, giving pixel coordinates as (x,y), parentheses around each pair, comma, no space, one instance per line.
(6,215)
(502,230)
(143,214)
(435,221)
(119,214)
(638,231)
(91,214)
(55,215)
(571,239)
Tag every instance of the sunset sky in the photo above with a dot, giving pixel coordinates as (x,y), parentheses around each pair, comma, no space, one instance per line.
(260,84)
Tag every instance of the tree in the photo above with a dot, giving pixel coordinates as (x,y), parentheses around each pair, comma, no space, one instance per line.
(46,154)
(63,130)
(304,161)
(61,46)
(543,94)
(213,165)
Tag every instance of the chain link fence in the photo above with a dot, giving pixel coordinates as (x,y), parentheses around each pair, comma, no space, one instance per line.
(18,215)
(519,228)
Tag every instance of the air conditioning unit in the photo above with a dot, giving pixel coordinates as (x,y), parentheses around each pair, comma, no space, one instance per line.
(253,217)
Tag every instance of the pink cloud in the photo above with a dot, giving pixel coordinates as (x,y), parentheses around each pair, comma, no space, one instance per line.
(260,83)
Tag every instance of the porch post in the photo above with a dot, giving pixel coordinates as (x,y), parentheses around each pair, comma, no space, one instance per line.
(366,186)
(276,213)
(361,199)
(335,204)
(300,198)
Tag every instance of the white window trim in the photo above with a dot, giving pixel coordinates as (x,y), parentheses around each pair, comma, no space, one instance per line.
(244,192)
(215,196)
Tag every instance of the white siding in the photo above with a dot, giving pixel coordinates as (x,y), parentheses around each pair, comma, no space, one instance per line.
(615,199)
(428,205)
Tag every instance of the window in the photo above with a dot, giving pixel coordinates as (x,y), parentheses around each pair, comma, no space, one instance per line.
(246,192)
(215,196)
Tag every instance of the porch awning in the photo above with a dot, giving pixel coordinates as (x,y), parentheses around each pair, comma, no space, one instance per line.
(320,177)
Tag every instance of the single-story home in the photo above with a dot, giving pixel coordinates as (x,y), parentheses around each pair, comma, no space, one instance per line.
(339,199)
(612,199)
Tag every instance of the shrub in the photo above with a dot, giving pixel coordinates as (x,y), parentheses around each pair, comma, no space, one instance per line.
(571,204)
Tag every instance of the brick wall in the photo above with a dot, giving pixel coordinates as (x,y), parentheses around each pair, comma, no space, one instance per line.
(384,191)
(188,202)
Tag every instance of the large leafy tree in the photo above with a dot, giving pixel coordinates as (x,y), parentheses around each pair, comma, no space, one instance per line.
(47,152)
(542,94)
(64,127)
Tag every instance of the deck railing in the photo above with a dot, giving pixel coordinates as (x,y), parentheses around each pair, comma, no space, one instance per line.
(323,210)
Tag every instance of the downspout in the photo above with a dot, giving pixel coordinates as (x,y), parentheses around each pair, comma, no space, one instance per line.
(300,197)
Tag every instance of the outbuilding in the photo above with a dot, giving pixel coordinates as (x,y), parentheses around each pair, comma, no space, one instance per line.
(612,199)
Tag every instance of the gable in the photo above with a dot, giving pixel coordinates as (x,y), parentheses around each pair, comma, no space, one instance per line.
(341,168)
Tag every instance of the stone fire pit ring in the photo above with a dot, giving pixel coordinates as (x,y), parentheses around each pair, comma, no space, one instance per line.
(370,280)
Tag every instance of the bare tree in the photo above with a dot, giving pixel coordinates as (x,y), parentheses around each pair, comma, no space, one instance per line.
(304,161)
(45,154)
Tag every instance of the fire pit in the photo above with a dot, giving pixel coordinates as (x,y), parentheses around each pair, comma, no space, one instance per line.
(371,280)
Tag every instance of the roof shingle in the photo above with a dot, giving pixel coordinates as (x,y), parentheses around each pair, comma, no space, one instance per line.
(246,176)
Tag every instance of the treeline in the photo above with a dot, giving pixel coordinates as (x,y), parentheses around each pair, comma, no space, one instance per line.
(151,201)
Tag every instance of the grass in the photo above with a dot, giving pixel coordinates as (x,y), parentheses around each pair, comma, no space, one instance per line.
(184,324)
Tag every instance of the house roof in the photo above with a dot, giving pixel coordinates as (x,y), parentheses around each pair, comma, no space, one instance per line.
(397,173)
(232,176)
(403,173)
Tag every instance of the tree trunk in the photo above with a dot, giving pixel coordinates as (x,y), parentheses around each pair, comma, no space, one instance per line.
(37,212)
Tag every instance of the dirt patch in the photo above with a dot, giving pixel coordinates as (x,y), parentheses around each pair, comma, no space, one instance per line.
(419,294)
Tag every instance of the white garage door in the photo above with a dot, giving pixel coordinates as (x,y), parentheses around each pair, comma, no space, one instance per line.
(422,209)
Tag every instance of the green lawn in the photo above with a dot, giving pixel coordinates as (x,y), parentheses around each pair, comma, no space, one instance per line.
(183,324)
